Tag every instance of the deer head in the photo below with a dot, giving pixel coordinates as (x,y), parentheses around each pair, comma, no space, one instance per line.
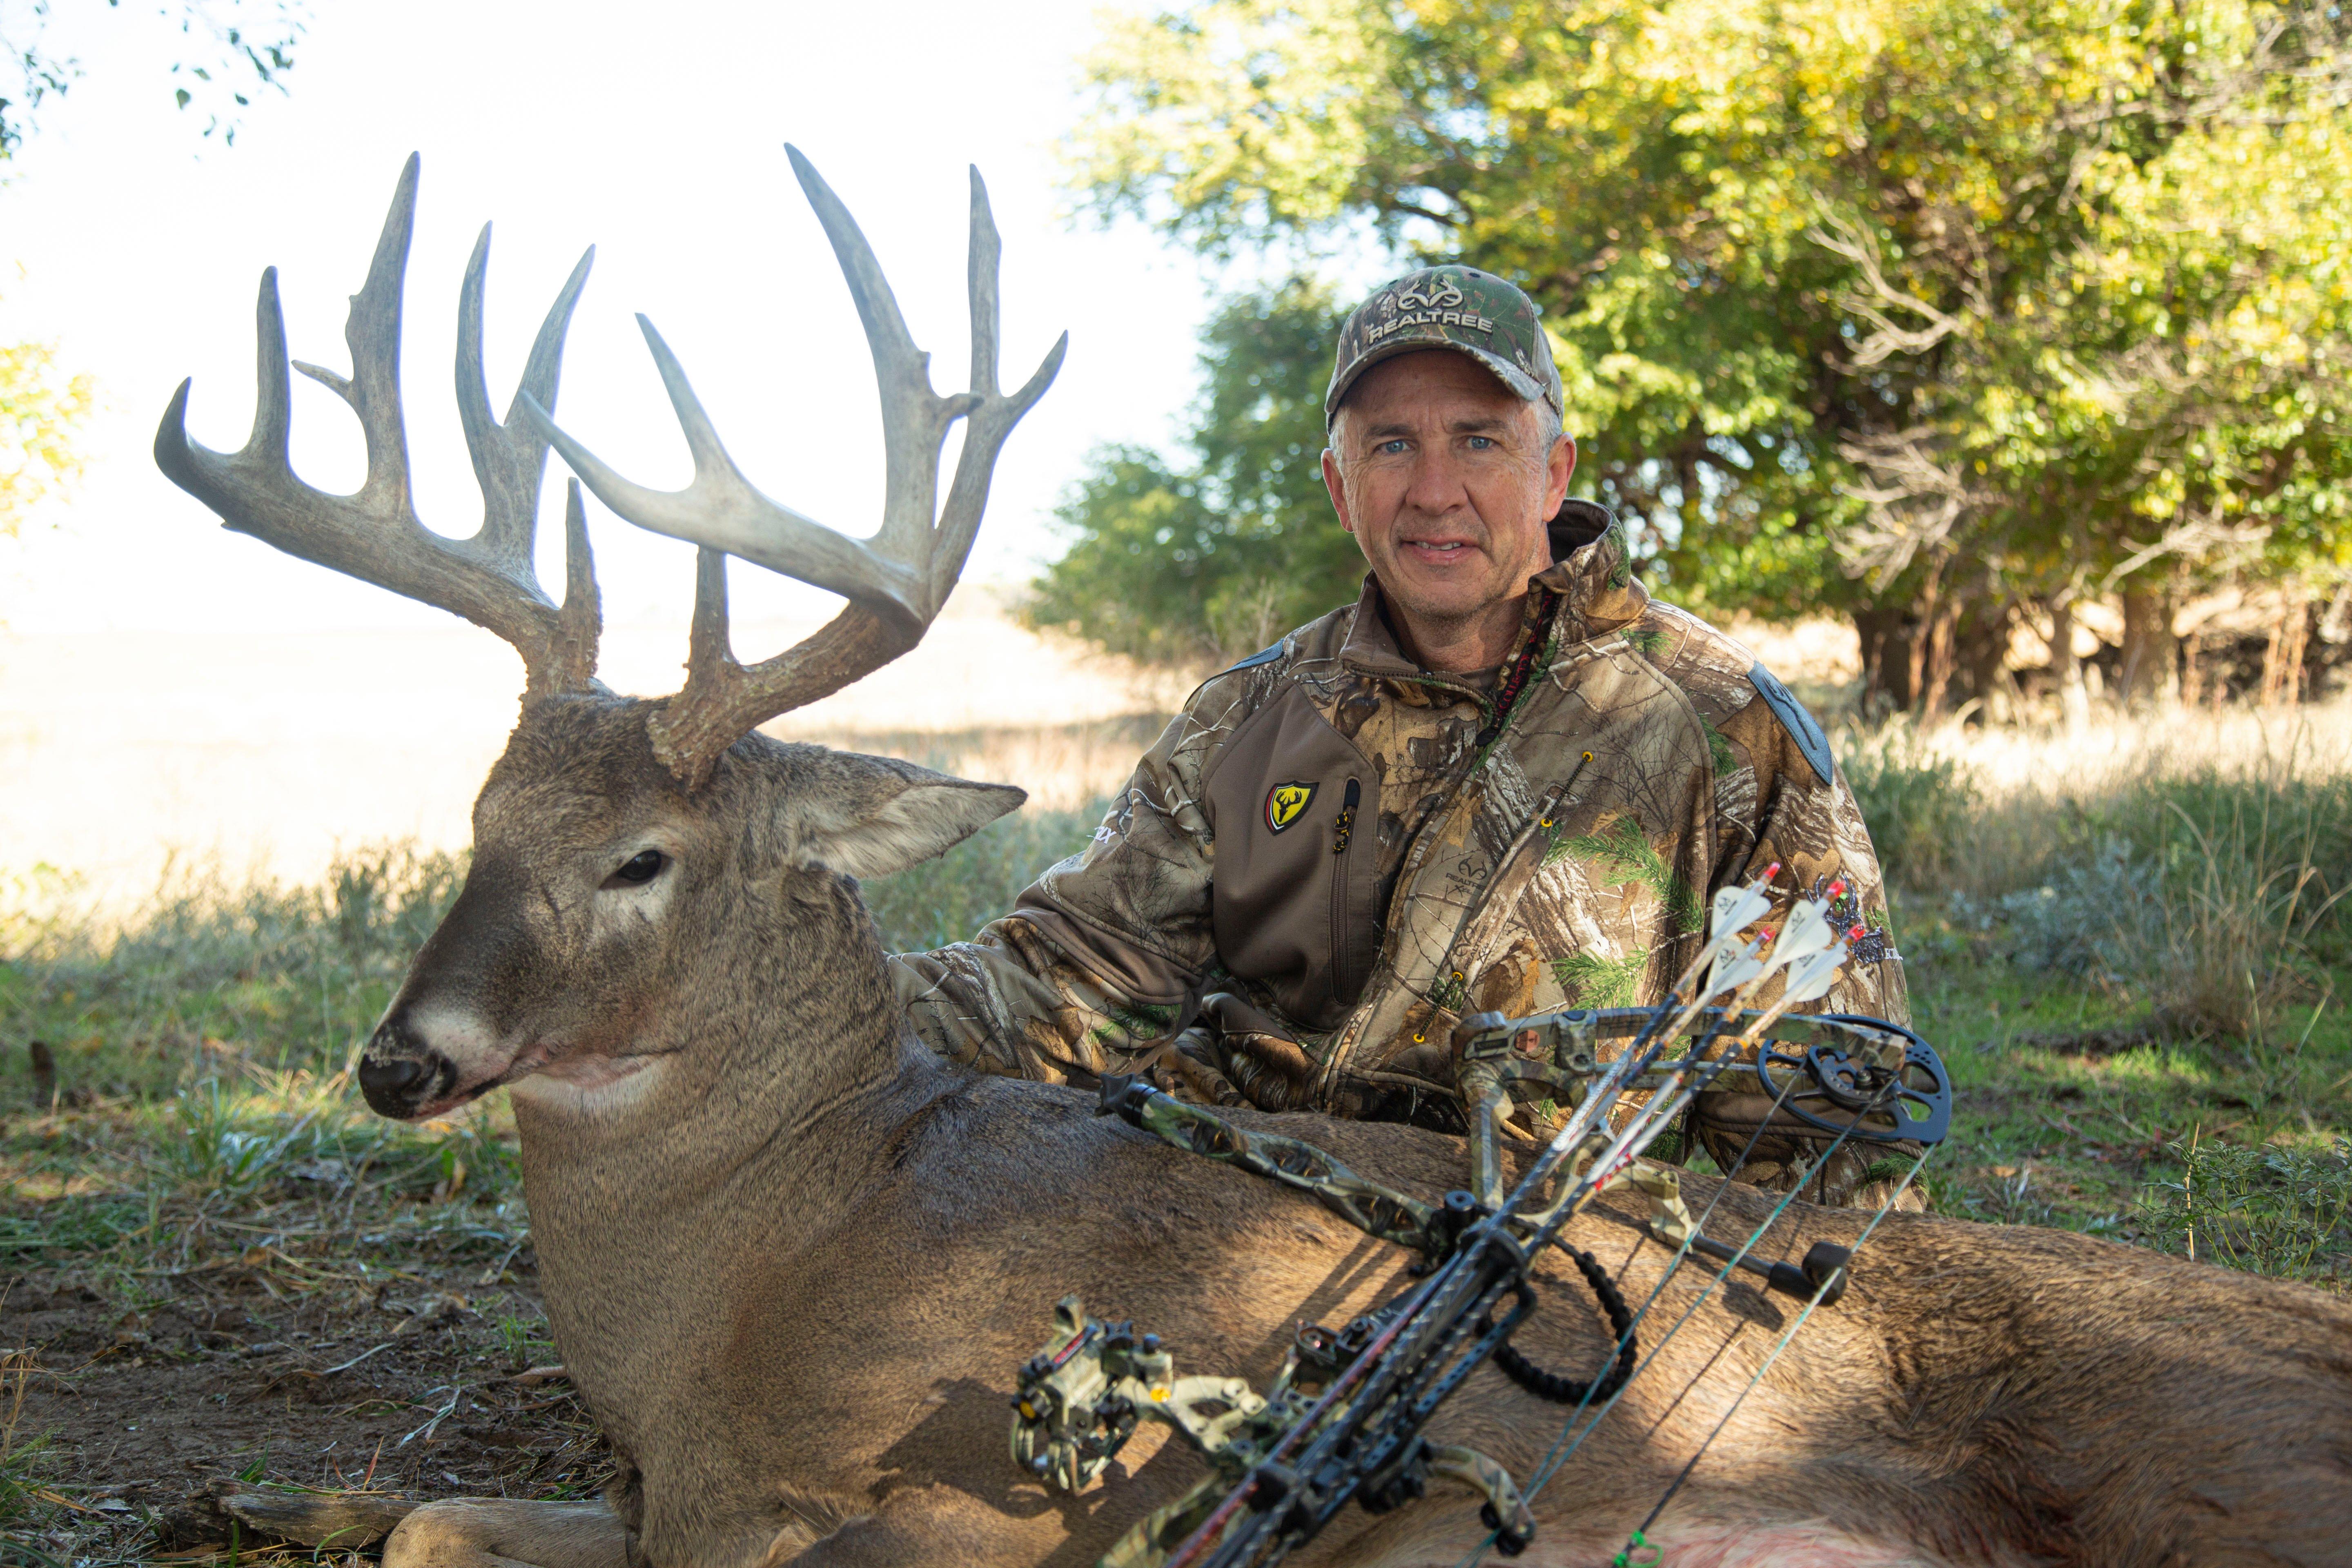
(620,843)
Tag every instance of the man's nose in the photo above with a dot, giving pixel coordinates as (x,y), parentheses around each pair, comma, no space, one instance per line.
(1433,486)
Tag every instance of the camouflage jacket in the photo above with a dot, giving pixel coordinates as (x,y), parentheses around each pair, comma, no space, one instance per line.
(1353,851)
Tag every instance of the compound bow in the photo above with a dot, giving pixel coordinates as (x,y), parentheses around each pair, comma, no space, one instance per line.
(1343,1419)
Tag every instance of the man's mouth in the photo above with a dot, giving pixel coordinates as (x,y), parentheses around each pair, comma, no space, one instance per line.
(1438,550)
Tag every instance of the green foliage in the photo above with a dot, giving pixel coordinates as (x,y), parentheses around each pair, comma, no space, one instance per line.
(1855,305)
(39,410)
(230,50)
(1211,560)
(229,53)
(2277,1210)
(1919,804)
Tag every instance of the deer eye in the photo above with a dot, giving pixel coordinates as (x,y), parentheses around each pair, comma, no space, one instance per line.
(639,869)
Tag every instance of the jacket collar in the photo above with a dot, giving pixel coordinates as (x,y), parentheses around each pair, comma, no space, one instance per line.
(1592,573)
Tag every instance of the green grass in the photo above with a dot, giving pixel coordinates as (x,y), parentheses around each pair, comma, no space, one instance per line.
(2138,987)
(949,898)
(200,1053)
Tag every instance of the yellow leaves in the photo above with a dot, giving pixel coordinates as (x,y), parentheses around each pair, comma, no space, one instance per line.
(39,408)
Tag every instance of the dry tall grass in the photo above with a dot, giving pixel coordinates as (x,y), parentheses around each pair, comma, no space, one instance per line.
(2192,857)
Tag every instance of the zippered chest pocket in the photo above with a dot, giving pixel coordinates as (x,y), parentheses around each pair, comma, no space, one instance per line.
(1295,807)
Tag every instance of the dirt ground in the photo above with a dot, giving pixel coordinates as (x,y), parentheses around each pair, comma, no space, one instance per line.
(413,1388)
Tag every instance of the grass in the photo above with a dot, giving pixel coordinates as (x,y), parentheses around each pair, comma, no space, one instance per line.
(2133,960)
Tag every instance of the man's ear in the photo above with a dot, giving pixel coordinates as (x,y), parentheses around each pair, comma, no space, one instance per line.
(1336,483)
(1562,468)
(869,817)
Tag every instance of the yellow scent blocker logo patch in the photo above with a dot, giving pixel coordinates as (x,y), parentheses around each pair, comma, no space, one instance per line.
(1284,802)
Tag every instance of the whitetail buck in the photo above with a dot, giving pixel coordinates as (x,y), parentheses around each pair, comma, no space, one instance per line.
(792,1258)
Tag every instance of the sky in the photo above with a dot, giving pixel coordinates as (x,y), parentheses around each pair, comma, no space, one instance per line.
(654,132)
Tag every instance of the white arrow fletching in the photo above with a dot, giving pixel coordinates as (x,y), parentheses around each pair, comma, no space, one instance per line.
(1734,967)
(1808,931)
(1810,976)
(1736,908)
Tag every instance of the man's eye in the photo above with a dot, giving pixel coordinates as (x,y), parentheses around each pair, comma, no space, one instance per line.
(1391,449)
(1481,443)
(638,869)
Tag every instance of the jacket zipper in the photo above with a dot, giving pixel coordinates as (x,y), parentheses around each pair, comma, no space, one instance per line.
(1341,832)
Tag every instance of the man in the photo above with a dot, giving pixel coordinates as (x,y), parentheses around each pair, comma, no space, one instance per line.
(1504,779)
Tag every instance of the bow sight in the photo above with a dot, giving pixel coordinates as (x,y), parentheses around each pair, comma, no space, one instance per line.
(1343,1419)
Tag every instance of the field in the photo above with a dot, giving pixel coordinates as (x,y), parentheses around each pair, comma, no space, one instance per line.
(218,1268)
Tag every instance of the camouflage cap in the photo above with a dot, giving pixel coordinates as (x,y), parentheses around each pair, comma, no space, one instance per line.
(1457,307)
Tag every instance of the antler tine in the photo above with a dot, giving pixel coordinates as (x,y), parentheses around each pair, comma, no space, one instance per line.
(509,460)
(721,510)
(915,419)
(723,700)
(994,416)
(896,581)
(374,534)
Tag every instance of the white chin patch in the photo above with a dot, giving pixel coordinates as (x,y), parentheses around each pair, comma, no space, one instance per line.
(464,1038)
(589,1084)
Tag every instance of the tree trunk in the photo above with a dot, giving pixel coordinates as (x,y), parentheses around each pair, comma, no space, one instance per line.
(2149,646)
(2283,659)
(1982,653)
(1941,651)
(2073,702)
(1888,667)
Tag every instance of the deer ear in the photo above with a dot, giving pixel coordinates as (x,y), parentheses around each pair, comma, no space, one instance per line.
(875,814)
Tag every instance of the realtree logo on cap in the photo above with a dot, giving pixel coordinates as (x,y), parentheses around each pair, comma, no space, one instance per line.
(1428,303)
(1430,298)
(1457,307)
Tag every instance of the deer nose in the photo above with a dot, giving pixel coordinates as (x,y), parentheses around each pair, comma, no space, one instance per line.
(399,1071)
(390,1080)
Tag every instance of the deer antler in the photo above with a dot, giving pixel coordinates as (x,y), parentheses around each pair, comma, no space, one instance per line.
(896,581)
(374,535)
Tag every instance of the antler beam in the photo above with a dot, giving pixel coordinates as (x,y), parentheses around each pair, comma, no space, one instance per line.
(898,580)
(374,534)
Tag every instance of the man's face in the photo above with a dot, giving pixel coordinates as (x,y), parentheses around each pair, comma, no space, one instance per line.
(1443,476)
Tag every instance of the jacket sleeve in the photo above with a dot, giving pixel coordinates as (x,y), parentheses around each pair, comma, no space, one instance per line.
(1094,958)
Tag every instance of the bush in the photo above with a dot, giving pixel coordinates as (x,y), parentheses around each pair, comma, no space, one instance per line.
(2210,900)
(2285,1212)
(2092,919)
(1919,805)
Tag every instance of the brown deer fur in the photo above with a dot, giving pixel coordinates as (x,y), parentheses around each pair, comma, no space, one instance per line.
(792,1258)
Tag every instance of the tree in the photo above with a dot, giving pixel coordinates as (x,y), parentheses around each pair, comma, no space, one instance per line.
(231,49)
(1935,312)
(39,411)
(39,405)
(1213,560)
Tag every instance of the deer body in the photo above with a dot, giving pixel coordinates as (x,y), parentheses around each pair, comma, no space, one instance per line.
(791,1259)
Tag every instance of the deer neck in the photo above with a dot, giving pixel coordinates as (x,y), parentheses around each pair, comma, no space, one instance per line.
(783,1065)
